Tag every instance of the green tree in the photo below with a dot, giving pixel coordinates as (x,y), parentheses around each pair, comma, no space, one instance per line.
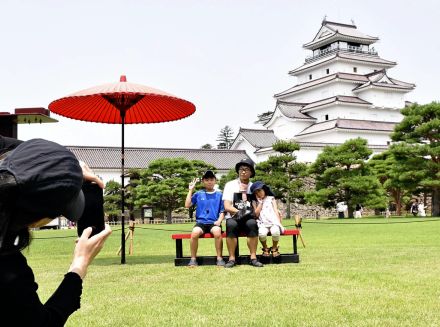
(231,175)
(130,189)
(283,173)
(112,200)
(418,147)
(164,184)
(207,146)
(342,174)
(264,117)
(225,138)
(393,177)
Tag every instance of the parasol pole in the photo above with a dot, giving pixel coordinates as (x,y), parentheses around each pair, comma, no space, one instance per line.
(122,111)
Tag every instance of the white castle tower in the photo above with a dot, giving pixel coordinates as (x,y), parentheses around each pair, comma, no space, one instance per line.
(343,91)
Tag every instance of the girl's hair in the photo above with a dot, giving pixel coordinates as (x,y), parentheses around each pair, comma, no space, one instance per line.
(14,231)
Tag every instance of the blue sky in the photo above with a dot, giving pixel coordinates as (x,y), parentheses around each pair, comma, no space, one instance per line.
(227,57)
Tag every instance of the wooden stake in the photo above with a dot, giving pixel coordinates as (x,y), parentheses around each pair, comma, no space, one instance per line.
(298,226)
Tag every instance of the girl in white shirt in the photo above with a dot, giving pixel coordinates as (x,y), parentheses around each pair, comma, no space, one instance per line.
(268,217)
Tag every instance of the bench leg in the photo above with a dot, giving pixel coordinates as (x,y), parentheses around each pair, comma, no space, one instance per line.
(295,247)
(179,250)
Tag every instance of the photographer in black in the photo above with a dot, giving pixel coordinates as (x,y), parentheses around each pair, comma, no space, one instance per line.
(39,181)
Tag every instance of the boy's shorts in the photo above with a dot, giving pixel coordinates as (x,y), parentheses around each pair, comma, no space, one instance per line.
(206,228)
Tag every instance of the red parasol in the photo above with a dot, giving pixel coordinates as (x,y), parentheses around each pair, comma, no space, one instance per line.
(122,103)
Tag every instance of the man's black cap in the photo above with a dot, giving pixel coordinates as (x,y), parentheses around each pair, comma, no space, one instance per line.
(209,174)
(246,162)
(49,180)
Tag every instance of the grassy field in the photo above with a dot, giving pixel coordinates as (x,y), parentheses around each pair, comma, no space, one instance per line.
(363,272)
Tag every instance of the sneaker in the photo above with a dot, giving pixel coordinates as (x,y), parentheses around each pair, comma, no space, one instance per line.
(256,263)
(220,262)
(193,263)
(230,264)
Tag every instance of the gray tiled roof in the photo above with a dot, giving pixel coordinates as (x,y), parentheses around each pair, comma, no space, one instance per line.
(371,59)
(338,98)
(258,138)
(360,79)
(349,124)
(381,79)
(339,32)
(110,157)
(322,144)
(293,110)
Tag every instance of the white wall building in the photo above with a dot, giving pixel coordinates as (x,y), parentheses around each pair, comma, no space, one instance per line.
(343,92)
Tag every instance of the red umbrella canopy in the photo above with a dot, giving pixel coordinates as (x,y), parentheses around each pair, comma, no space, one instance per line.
(106,103)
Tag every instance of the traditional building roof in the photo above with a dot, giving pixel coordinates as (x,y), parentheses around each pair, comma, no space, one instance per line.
(335,99)
(359,79)
(110,157)
(293,110)
(348,124)
(322,144)
(341,54)
(258,138)
(332,31)
(381,79)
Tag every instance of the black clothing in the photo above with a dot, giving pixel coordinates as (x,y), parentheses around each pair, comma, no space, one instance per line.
(19,302)
(8,144)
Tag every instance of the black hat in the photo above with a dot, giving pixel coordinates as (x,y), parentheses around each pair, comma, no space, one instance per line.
(246,162)
(258,185)
(49,180)
(209,174)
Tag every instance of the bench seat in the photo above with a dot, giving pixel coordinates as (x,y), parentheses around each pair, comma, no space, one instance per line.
(182,260)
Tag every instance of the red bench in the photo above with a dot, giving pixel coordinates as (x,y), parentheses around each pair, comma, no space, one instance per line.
(181,260)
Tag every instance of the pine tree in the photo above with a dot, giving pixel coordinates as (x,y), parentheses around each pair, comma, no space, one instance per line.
(418,147)
(225,138)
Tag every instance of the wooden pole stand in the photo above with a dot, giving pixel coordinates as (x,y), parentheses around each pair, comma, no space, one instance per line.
(298,226)
(130,235)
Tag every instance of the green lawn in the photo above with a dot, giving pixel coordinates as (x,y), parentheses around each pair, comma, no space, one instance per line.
(364,272)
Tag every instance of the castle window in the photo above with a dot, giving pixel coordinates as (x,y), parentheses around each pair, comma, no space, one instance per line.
(327,71)
(310,76)
(326,117)
(355,69)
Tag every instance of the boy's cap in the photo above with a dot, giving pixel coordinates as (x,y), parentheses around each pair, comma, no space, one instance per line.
(209,174)
(49,180)
(258,185)
(246,162)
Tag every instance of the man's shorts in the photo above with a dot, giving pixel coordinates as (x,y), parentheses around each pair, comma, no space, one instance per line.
(206,228)
(248,227)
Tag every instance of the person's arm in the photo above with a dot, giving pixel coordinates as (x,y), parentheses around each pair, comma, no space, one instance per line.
(221,216)
(258,205)
(86,250)
(277,212)
(24,308)
(188,200)
(230,208)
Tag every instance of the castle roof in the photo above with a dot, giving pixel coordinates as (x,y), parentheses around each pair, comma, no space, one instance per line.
(360,79)
(110,157)
(348,124)
(382,80)
(332,31)
(335,99)
(345,56)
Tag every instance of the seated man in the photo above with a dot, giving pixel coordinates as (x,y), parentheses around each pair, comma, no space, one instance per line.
(209,215)
(239,213)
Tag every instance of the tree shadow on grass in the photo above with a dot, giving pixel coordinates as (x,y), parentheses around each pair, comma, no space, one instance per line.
(135,260)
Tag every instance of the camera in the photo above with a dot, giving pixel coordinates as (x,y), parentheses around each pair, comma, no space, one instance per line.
(93,214)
